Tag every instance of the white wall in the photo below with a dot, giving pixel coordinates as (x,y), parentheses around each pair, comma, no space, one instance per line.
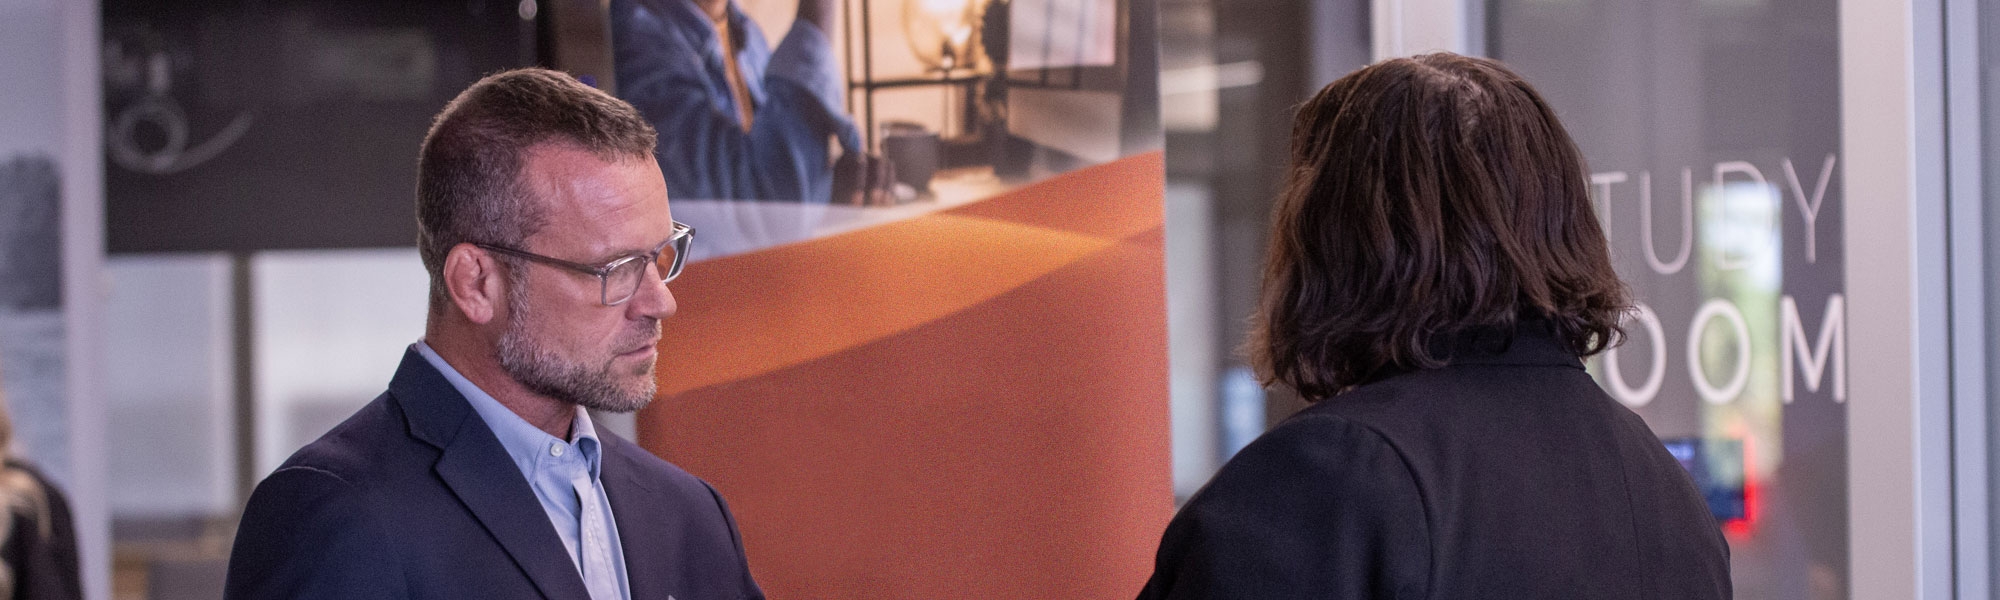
(31,111)
(170,386)
(330,327)
(1899,448)
(31,125)
(1412,27)
(48,59)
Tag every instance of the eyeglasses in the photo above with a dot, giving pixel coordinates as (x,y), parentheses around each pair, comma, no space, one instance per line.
(620,279)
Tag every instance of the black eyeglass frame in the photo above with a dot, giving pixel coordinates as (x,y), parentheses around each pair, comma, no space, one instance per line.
(682,238)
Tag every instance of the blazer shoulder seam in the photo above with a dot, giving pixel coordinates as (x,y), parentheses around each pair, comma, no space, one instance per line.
(1423,496)
(346,481)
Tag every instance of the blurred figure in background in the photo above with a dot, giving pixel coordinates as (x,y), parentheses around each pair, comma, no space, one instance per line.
(38,557)
(1435,275)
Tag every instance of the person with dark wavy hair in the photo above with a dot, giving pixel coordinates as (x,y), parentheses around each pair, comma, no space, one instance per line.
(1436,274)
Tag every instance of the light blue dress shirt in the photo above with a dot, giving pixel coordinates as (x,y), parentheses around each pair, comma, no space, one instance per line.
(565,477)
(669,64)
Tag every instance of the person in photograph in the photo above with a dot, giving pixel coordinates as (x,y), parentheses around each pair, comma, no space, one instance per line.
(743,121)
(545,228)
(1435,275)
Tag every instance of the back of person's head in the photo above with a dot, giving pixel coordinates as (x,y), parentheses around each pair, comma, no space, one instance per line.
(1427,199)
(470,187)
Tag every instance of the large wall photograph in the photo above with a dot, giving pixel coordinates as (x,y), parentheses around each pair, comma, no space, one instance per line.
(921,347)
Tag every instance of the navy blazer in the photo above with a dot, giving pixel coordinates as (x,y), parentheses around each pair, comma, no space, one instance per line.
(414,497)
(1506,474)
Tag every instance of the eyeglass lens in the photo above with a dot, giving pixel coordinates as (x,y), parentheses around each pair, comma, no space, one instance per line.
(624,280)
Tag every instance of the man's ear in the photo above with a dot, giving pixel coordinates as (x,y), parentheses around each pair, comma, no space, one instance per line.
(474,283)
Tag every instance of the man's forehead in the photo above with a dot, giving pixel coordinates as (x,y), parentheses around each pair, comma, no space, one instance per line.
(559,157)
(609,204)
(571,173)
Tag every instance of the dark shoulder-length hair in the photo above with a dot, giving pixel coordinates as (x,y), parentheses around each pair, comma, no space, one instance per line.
(1428,198)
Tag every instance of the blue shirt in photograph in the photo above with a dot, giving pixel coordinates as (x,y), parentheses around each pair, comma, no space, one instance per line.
(669,64)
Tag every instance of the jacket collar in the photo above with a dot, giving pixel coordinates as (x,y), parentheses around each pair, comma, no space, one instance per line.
(478,470)
(434,410)
(1532,342)
(690,21)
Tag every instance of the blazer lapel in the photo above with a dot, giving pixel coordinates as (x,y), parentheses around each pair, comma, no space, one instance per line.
(646,530)
(477,470)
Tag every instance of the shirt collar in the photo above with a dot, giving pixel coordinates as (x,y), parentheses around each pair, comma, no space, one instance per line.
(527,444)
(694,25)
(692,21)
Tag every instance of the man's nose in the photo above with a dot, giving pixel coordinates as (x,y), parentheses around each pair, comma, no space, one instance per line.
(653,299)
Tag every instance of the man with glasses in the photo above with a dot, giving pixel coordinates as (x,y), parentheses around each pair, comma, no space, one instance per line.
(478,474)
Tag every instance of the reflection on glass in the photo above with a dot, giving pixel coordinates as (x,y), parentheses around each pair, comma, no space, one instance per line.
(1711,130)
(1732,338)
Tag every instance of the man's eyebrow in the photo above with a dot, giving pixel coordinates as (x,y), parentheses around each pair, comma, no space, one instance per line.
(611,255)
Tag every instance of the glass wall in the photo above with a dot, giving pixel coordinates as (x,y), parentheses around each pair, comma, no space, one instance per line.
(1712,133)
(326,329)
(172,429)
(261,281)
(1231,74)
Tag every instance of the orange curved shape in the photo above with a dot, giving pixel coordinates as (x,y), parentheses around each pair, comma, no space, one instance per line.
(980,413)
(750,314)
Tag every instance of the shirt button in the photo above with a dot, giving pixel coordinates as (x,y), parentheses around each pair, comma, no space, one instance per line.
(555,450)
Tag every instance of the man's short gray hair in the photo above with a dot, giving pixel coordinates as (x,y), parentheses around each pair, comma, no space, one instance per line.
(469,183)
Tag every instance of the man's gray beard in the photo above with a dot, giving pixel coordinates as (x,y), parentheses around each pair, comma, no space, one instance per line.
(546,373)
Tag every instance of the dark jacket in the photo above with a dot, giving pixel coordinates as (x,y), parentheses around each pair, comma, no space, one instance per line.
(414,497)
(1506,474)
(44,566)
